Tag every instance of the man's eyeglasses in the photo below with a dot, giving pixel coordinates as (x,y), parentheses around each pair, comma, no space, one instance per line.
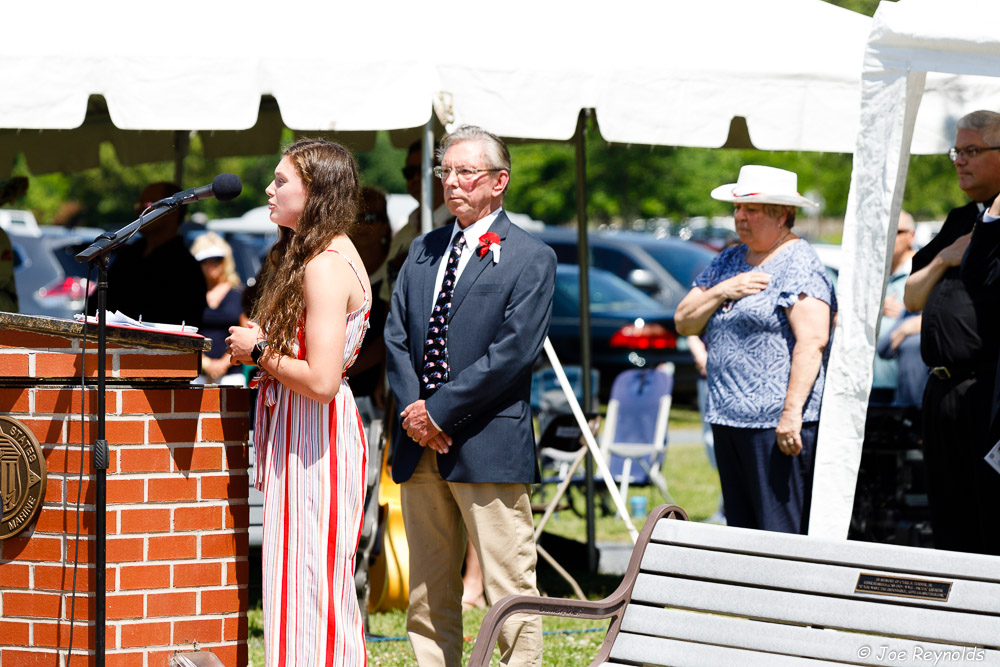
(969,151)
(411,170)
(463,173)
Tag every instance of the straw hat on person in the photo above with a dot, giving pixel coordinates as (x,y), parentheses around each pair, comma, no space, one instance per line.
(763,185)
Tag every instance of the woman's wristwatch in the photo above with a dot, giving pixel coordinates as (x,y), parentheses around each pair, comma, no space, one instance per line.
(257,350)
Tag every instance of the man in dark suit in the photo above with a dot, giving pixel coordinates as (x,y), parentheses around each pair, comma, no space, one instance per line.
(464,330)
(959,342)
(981,273)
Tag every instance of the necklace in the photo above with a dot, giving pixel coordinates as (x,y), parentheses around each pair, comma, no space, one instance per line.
(772,248)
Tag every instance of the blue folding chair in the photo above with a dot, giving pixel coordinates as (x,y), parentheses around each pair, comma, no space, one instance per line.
(634,439)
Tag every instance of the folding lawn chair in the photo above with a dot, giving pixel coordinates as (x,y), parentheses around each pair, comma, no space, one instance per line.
(634,440)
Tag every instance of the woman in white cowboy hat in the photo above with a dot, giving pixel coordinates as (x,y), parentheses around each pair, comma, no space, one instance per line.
(767,309)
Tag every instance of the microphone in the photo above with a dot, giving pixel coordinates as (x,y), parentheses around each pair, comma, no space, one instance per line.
(223,187)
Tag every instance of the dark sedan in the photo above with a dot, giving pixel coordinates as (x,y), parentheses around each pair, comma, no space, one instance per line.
(662,268)
(628,329)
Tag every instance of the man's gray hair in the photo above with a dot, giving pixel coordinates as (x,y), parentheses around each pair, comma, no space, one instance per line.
(494,149)
(986,123)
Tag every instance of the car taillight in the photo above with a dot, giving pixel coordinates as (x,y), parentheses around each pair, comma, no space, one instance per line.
(72,288)
(642,336)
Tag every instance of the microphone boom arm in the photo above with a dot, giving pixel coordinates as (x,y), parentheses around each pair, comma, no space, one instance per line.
(108,242)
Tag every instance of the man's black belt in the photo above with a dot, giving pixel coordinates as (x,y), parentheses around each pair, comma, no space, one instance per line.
(952,372)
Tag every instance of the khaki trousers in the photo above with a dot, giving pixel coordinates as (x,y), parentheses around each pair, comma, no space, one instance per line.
(498,519)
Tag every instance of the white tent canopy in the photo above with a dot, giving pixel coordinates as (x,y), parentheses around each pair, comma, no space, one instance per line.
(667,72)
(910,40)
(331,66)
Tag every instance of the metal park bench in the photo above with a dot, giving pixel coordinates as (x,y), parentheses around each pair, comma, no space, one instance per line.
(700,594)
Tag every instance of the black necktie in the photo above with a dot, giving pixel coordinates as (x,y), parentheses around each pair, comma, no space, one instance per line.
(436,343)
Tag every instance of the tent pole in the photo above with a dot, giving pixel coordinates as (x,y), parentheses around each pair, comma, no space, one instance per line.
(426,184)
(583,262)
(182,142)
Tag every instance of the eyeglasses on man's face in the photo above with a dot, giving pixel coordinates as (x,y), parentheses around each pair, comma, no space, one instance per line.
(463,173)
(969,151)
(411,170)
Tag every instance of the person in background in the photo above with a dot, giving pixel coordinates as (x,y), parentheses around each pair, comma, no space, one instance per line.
(8,288)
(902,344)
(9,191)
(886,370)
(960,343)
(371,236)
(767,308)
(981,274)
(309,447)
(156,278)
(700,354)
(386,274)
(224,308)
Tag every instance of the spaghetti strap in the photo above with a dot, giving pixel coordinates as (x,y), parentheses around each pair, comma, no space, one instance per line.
(356,272)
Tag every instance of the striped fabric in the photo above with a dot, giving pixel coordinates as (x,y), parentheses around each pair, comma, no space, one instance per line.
(311,460)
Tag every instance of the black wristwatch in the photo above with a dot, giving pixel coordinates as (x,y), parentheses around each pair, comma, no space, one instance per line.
(257,350)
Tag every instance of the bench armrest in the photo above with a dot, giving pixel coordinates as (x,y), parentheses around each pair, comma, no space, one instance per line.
(609,607)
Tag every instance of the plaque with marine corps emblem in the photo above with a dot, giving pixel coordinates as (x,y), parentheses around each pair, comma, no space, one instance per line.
(22,476)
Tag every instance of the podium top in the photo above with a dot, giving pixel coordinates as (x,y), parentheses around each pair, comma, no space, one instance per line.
(121,335)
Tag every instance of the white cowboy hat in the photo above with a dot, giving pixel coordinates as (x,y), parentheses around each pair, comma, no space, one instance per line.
(763,185)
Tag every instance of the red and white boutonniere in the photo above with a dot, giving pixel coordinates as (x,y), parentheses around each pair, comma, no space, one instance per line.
(489,242)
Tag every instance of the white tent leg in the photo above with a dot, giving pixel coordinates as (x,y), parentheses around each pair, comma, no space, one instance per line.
(889,109)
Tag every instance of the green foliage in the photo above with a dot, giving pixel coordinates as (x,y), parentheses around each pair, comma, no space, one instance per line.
(382,166)
(866,7)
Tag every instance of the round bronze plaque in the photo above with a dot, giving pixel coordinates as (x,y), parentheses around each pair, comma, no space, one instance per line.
(22,476)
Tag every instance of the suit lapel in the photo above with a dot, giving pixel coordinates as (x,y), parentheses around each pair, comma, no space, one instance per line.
(478,264)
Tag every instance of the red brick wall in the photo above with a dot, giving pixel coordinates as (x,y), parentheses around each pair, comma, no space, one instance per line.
(177,519)
(39,355)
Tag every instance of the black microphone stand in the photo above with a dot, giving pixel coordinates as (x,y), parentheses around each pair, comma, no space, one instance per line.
(99,252)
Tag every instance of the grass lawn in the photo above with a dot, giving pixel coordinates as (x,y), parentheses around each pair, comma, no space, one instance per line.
(694,486)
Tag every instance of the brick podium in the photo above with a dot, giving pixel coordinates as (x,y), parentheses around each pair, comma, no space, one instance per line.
(177,512)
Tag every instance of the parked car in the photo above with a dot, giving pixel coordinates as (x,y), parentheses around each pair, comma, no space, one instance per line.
(628,329)
(661,268)
(18,221)
(50,281)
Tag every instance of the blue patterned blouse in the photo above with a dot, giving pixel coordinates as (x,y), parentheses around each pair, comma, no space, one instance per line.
(750,340)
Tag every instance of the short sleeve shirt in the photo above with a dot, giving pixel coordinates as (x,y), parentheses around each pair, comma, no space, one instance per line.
(750,340)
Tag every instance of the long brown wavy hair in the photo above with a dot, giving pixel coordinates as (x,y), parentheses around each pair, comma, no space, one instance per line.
(330,175)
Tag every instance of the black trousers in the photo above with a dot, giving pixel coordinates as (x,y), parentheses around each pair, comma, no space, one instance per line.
(761,487)
(963,490)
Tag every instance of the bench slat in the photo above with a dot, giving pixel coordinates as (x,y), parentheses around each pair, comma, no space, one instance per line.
(792,639)
(806,577)
(926,562)
(862,615)
(674,653)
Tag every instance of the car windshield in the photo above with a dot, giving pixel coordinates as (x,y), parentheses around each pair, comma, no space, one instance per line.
(608,294)
(683,261)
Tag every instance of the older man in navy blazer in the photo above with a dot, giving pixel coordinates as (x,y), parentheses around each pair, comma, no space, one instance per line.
(467,320)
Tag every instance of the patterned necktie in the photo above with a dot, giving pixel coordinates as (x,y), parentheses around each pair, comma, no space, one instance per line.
(436,343)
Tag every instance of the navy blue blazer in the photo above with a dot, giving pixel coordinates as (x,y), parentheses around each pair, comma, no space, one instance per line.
(500,316)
